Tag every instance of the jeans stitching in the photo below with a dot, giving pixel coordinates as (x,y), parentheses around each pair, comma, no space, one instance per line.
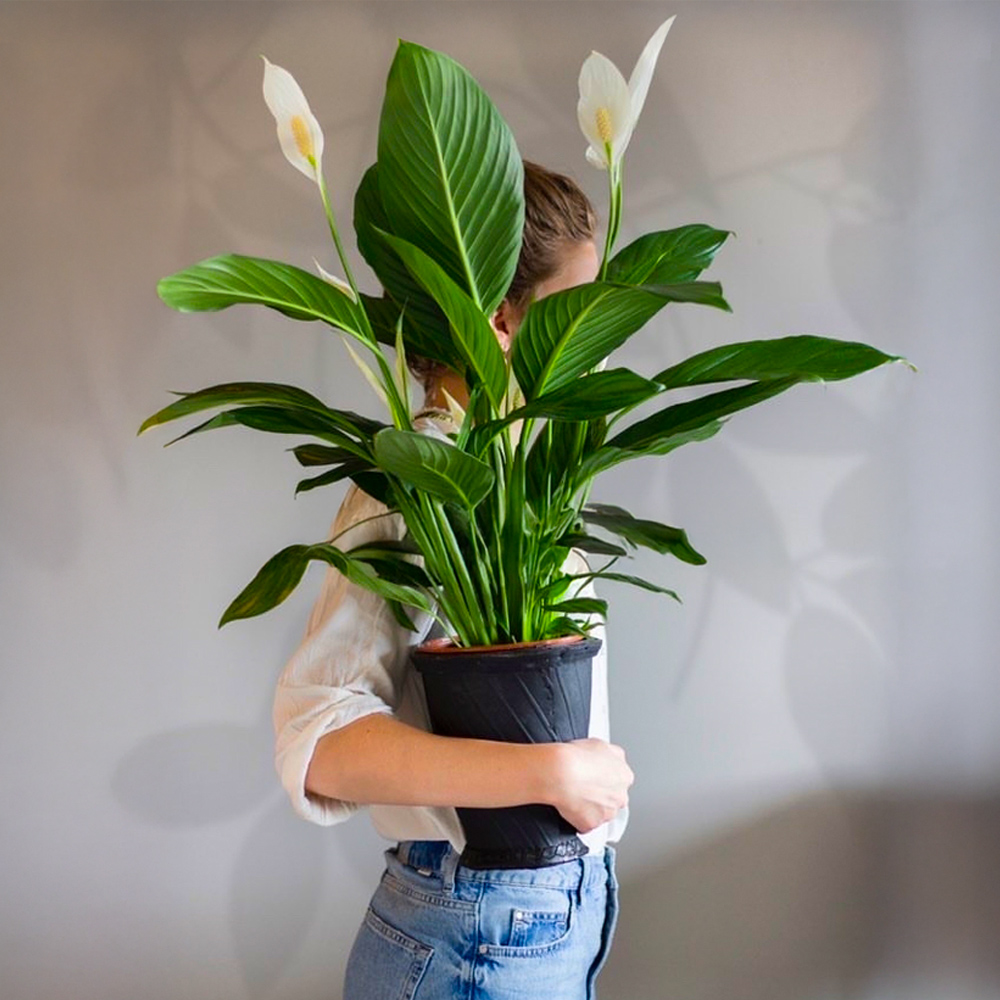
(405,889)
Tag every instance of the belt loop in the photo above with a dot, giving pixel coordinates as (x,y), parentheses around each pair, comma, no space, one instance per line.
(403,851)
(449,862)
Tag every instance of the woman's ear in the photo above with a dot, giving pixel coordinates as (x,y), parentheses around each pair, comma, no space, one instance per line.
(505,322)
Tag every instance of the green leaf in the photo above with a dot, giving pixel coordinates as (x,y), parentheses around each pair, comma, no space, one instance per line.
(608,455)
(588,543)
(397,546)
(553,455)
(449,172)
(650,534)
(434,466)
(281,574)
(580,605)
(658,433)
(425,326)
(570,332)
(392,567)
(226,419)
(635,581)
(591,396)
(320,454)
(402,618)
(666,258)
(471,332)
(801,358)
(561,626)
(275,420)
(287,397)
(232,279)
(376,485)
(344,471)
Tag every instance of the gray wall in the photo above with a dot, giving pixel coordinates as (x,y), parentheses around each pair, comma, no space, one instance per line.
(815,732)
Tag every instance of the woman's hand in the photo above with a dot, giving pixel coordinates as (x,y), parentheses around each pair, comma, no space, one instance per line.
(589,781)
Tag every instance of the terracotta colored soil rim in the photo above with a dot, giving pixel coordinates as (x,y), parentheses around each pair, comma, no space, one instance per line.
(447,645)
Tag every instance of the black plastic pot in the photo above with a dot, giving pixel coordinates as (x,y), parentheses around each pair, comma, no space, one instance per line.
(532,693)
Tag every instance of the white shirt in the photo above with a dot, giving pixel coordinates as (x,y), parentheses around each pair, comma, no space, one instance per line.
(354,661)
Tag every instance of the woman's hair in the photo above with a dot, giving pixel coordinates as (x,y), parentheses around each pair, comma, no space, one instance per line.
(557,215)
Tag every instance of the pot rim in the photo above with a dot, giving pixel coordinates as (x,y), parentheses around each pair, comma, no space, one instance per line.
(446,644)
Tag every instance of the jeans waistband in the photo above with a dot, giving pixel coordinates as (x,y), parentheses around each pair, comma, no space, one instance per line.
(438,858)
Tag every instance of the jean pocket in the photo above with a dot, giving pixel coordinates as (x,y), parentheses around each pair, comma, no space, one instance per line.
(535,928)
(524,921)
(384,962)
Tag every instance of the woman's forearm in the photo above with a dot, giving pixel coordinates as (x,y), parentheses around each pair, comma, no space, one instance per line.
(378,759)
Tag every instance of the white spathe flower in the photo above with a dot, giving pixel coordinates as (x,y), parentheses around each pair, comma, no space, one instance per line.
(299,133)
(338,283)
(609,107)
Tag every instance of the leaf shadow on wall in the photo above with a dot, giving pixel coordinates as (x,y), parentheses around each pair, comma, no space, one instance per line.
(221,773)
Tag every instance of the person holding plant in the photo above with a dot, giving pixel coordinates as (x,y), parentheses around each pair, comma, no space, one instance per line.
(490,269)
(352,729)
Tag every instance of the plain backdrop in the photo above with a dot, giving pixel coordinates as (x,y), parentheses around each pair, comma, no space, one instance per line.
(815,731)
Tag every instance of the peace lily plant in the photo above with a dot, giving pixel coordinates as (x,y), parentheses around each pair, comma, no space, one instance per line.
(494,507)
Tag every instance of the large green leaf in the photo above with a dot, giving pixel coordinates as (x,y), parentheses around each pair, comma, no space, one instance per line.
(424,325)
(435,466)
(471,332)
(384,315)
(449,172)
(801,358)
(232,279)
(668,257)
(570,332)
(281,574)
(661,538)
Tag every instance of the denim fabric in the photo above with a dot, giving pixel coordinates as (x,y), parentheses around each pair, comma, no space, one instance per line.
(438,930)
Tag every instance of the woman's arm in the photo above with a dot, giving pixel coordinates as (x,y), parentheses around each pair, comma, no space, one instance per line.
(378,759)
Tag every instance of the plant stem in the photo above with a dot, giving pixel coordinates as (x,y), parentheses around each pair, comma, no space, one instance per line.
(465,620)
(614,214)
(336,239)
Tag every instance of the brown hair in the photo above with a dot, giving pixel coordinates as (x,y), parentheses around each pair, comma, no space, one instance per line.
(557,215)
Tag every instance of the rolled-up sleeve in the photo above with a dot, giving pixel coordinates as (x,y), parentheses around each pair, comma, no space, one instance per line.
(350,664)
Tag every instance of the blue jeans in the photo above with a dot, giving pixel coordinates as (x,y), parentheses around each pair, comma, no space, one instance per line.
(438,930)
